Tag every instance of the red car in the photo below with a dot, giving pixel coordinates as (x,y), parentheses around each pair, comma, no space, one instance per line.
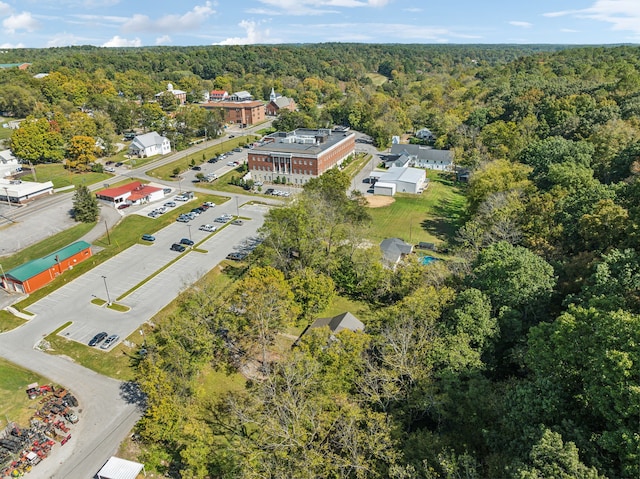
(123,206)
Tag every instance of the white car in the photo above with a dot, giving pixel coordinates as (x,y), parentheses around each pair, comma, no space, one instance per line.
(208,228)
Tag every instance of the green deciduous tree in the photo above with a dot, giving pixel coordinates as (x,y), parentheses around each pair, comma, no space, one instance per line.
(37,140)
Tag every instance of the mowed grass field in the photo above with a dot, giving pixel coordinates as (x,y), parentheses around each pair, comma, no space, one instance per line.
(61,177)
(15,405)
(434,216)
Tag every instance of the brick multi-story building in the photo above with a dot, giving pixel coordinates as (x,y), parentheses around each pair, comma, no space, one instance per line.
(299,155)
(244,113)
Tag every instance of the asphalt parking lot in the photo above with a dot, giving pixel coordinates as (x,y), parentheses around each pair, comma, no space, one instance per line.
(139,263)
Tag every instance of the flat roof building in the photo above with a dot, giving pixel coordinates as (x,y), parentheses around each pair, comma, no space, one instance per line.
(299,155)
(243,113)
(20,192)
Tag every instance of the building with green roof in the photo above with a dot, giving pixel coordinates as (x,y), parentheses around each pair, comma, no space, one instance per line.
(37,273)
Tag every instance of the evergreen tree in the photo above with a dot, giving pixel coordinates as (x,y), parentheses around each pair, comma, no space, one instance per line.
(85,205)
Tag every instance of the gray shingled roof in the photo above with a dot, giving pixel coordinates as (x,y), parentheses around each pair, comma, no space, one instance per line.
(394,248)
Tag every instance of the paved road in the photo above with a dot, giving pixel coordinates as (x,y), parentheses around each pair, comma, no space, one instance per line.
(108,412)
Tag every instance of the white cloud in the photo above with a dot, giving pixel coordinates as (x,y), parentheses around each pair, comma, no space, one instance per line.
(5,9)
(163,40)
(516,23)
(396,31)
(66,39)
(316,7)
(11,45)
(622,14)
(122,42)
(253,35)
(569,30)
(189,21)
(21,21)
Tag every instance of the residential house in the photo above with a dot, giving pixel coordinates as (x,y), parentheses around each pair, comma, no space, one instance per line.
(335,324)
(149,144)
(241,96)
(218,95)
(9,164)
(394,250)
(425,156)
(425,134)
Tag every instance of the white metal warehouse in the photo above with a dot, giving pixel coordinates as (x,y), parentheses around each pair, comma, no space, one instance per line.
(117,468)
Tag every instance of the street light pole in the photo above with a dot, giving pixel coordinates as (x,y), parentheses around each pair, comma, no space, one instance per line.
(107,290)
(6,192)
(189,226)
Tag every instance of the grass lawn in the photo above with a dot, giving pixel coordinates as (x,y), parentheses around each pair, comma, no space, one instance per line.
(434,216)
(377,79)
(166,172)
(5,133)
(61,177)
(8,321)
(14,403)
(47,246)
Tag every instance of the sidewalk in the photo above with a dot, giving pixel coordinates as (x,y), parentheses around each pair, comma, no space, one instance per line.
(109,218)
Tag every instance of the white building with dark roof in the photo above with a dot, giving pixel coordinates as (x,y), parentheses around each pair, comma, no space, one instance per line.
(424,156)
(149,144)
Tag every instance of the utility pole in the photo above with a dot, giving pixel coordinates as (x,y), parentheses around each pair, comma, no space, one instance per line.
(108,235)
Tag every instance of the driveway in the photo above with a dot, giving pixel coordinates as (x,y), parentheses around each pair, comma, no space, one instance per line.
(109,408)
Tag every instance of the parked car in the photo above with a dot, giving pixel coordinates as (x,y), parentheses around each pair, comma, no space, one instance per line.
(148,237)
(183,219)
(196,168)
(109,162)
(221,219)
(238,150)
(71,417)
(119,163)
(208,228)
(123,206)
(187,241)
(181,198)
(237,222)
(110,169)
(98,338)
(178,247)
(209,204)
(166,191)
(237,256)
(110,341)
(170,204)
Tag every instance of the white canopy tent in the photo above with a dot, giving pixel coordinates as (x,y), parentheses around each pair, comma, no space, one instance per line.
(117,468)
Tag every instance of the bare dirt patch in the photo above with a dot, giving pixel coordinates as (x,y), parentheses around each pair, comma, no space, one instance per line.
(379,201)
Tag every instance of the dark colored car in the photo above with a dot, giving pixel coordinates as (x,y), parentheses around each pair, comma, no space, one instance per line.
(119,163)
(178,247)
(186,241)
(123,206)
(196,168)
(148,237)
(237,256)
(98,338)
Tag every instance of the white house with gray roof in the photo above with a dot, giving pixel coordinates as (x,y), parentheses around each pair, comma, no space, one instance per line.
(149,144)
(393,250)
(424,156)
(335,324)
(9,164)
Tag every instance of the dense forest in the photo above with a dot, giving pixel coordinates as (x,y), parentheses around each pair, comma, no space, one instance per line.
(518,359)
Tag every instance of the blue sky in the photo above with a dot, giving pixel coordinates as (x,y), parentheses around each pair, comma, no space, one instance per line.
(55,23)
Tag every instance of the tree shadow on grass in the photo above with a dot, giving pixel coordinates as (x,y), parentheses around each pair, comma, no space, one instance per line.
(444,220)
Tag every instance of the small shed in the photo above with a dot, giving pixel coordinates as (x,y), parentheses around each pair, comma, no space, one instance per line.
(384,188)
(116,468)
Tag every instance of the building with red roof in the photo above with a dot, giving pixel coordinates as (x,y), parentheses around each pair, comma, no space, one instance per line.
(134,193)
